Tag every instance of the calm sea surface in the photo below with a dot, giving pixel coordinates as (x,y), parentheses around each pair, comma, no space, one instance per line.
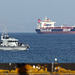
(44,48)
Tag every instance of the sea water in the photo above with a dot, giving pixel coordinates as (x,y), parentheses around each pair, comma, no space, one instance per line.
(44,48)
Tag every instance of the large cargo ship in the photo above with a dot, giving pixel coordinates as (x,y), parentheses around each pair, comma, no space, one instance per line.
(47,26)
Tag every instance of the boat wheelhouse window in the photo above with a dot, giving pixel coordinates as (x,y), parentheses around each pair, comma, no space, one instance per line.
(12,41)
(5,37)
(48,25)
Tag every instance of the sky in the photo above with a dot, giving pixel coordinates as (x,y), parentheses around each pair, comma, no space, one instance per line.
(22,15)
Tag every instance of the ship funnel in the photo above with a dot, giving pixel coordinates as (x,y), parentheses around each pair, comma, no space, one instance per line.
(39,20)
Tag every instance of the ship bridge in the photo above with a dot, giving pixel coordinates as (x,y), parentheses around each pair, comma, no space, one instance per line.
(45,23)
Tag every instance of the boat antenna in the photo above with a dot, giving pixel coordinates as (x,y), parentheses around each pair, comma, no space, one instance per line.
(5,30)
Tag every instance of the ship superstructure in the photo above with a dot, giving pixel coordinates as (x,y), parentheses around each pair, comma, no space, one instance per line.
(47,26)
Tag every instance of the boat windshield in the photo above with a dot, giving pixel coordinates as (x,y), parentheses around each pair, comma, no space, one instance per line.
(12,41)
(6,37)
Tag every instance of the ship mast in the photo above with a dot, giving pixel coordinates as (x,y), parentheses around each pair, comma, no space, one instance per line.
(45,17)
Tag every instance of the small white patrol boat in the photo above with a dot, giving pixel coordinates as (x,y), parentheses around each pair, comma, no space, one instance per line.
(8,43)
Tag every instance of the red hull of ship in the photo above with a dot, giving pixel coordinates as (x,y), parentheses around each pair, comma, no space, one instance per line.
(58,32)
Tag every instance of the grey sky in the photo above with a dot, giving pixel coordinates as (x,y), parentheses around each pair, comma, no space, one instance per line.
(22,15)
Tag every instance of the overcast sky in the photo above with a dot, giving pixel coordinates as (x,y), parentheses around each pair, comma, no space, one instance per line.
(22,15)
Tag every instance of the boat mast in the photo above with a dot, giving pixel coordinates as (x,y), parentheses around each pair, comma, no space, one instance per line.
(5,30)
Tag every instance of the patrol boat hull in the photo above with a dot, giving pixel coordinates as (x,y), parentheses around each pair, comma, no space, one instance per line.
(13,48)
